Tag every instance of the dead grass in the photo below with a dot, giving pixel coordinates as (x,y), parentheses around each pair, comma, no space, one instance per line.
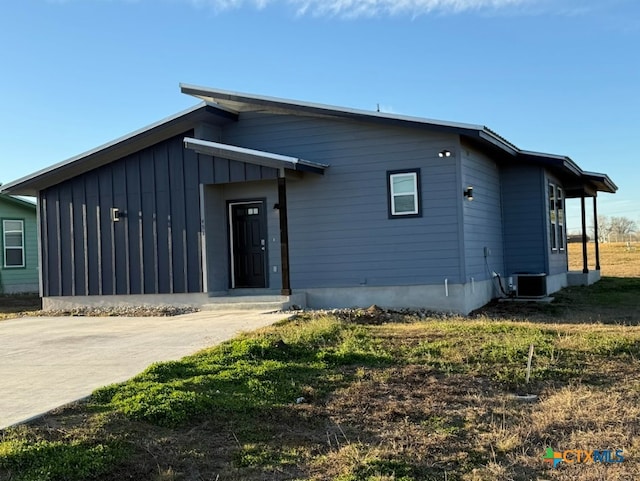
(18,305)
(617,259)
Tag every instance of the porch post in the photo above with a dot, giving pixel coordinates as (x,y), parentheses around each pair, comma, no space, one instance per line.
(595,232)
(585,269)
(284,234)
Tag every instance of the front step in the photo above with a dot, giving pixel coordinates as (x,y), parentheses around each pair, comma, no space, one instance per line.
(265,302)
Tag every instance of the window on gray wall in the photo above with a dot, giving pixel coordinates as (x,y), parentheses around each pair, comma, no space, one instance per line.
(404,193)
(556,218)
(13,242)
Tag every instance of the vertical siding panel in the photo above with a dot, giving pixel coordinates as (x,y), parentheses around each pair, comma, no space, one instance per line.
(205,167)
(252,172)
(236,171)
(221,170)
(121,229)
(93,234)
(105,204)
(150,245)
(193,252)
(77,209)
(163,219)
(66,241)
(133,223)
(178,216)
(46,247)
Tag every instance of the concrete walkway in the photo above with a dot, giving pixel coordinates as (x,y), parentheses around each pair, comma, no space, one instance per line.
(46,362)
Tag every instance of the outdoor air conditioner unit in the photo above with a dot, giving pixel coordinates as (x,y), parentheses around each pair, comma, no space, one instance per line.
(531,285)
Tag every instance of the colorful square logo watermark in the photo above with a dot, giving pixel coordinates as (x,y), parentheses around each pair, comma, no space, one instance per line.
(581,456)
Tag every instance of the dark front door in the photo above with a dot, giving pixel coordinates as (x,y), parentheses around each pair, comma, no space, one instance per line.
(248,244)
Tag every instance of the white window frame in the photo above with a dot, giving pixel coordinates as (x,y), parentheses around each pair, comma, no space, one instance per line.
(5,248)
(556,218)
(553,218)
(415,175)
(560,218)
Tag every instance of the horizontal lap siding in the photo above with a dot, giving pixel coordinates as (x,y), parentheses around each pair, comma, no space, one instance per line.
(21,278)
(482,216)
(525,230)
(155,247)
(339,230)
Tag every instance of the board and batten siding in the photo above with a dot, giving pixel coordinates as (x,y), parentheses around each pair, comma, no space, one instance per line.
(155,248)
(20,279)
(340,233)
(525,221)
(482,216)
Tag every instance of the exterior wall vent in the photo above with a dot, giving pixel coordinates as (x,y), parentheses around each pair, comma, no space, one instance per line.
(531,285)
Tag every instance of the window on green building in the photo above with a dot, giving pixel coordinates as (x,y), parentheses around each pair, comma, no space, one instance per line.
(13,243)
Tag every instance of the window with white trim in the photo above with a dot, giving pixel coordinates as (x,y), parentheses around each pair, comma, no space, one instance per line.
(404,193)
(560,217)
(556,218)
(13,243)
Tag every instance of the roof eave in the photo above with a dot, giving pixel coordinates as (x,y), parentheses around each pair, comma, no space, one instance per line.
(252,156)
(125,145)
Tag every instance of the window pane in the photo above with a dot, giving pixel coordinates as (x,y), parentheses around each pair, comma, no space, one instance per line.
(404,184)
(404,204)
(13,225)
(13,240)
(552,217)
(13,257)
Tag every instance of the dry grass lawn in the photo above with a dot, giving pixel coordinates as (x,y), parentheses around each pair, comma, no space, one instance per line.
(617,259)
(321,398)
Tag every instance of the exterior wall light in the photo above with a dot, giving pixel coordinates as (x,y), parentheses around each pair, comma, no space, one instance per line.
(468,193)
(445,153)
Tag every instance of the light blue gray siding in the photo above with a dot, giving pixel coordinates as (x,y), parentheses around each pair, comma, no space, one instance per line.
(525,231)
(483,230)
(339,230)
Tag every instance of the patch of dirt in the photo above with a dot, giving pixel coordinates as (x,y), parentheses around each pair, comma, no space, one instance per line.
(17,303)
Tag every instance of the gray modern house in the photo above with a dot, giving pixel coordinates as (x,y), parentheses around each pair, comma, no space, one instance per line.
(320,205)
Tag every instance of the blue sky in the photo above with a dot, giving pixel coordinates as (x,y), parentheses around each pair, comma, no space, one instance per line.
(558,76)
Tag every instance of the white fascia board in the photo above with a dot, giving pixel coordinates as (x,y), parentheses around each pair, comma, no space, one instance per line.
(260,157)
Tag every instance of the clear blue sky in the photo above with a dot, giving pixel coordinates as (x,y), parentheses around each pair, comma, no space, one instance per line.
(557,76)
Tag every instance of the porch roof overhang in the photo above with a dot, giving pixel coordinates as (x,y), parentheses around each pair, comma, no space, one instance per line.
(577,182)
(251,156)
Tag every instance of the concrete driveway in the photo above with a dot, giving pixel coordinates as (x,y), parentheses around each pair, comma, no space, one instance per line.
(46,362)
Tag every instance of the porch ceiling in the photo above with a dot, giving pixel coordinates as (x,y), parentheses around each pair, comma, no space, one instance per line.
(251,156)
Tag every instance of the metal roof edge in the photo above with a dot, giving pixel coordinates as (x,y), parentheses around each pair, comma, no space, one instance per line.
(23,181)
(16,200)
(331,110)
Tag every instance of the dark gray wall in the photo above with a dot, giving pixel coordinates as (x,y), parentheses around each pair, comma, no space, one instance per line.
(156,246)
(525,222)
(339,230)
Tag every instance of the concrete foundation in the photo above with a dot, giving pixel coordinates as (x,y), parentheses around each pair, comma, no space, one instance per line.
(458,298)
(577,278)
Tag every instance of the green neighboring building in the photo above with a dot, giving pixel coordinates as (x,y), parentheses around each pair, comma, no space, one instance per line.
(18,246)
